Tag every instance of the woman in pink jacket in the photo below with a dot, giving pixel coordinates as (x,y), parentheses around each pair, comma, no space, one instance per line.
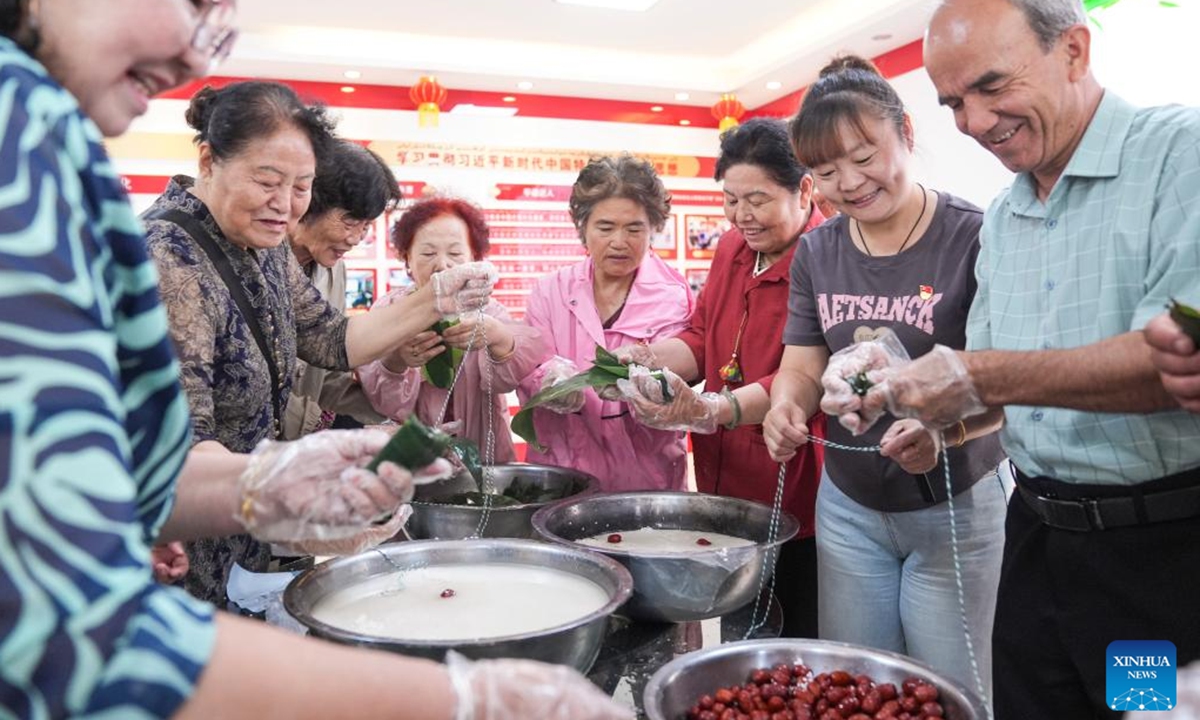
(433,235)
(619,294)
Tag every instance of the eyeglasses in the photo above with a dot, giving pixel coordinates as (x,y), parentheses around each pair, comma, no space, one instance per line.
(215,33)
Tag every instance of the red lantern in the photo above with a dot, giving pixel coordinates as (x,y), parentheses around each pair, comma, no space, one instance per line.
(428,96)
(728,111)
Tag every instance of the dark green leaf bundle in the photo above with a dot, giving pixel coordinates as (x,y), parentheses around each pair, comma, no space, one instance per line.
(606,370)
(440,369)
(413,446)
(1187,318)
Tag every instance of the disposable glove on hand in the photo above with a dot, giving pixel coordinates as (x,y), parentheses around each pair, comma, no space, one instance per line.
(369,537)
(317,488)
(463,287)
(557,370)
(687,409)
(936,389)
(850,370)
(526,689)
(637,354)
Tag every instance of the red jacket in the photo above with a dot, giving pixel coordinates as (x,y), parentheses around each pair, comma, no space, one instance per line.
(735,462)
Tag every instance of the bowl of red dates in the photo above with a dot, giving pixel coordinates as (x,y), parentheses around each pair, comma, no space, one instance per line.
(729,546)
(796,679)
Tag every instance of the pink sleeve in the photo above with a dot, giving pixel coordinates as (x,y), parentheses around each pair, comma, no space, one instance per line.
(390,393)
(528,352)
(537,317)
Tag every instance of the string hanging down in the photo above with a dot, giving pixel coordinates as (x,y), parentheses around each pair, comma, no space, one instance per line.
(772,556)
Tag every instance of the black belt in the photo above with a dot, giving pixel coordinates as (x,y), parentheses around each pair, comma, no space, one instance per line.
(1156,501)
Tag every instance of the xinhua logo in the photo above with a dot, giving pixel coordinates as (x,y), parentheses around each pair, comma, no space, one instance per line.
(1141,675)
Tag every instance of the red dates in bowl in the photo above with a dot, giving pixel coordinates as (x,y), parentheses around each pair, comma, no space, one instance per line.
(794,692)
(773,679)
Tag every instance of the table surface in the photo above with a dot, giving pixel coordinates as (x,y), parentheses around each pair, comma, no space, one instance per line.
(633,651)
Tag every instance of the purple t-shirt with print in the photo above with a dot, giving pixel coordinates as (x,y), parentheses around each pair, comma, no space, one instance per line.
(840,296)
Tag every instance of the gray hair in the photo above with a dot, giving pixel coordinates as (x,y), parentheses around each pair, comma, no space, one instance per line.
(620,177)
(1049,19)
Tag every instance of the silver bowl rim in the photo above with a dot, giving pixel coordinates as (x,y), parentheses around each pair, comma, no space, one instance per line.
(789,526)
(653,688)
(592,485)
(622,594)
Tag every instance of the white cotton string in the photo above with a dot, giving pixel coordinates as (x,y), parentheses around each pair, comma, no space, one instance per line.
(769,562)
(958,581)
(958,573)
(488,451)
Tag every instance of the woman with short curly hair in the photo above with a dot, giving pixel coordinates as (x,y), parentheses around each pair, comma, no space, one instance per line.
(620,294)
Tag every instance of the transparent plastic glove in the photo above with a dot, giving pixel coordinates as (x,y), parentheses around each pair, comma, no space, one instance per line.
(637,354)
(463,287)
(558,369)
(611,393)
(687,409)
(370,536)
(936,389)
(913,446)
(865,361)
(317,489)
(526,689)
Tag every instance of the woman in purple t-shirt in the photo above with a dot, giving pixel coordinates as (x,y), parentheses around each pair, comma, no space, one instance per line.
(900,257)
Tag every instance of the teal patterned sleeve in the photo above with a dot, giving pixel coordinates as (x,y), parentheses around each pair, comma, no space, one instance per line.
(93,429)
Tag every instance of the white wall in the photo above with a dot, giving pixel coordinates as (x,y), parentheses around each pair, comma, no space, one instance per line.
(1141,50)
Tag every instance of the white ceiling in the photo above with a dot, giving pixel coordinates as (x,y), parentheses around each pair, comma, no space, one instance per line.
(703,47)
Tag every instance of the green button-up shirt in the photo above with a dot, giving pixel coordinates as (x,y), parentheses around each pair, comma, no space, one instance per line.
(1117,237)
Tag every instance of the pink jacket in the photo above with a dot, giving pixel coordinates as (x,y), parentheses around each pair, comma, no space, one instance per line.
(397,394)
(603,438)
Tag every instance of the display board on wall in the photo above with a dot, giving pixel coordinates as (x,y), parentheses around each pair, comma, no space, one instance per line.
(531,235)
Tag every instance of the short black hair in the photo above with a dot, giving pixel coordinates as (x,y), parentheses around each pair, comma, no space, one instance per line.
(764,143)
(352,178)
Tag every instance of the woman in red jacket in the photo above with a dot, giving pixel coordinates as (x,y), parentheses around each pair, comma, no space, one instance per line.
(734,344)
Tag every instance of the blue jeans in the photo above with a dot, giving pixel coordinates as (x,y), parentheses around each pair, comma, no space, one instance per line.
(886,580)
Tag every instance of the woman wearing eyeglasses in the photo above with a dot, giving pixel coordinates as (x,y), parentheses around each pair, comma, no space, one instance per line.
(95,434)
(733,343)
(353,187)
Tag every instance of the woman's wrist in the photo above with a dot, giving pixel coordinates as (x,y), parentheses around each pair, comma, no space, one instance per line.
(733,417)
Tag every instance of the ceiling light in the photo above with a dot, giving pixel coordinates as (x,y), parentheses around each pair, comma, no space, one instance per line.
(483,110)
(347,88)
(681,96)
(509,98)
(656,108)
(352,74)
(524,85)
(685,122)
(633,5)
(774,85)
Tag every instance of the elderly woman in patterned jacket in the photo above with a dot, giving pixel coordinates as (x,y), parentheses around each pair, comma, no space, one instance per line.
(241,310)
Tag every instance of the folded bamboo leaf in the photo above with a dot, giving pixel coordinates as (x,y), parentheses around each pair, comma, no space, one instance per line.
(606,370)
(440,369)
(1188,319)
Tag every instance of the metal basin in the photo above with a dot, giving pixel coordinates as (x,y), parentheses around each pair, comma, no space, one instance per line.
(576,643)
(679,684)
(675,587)
(440,521)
